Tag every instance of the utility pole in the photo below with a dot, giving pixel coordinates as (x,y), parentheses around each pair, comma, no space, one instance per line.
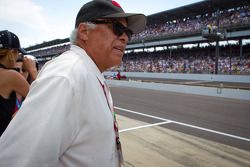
(217,42)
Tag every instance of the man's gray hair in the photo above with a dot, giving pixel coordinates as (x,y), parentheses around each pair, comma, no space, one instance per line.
(73,35)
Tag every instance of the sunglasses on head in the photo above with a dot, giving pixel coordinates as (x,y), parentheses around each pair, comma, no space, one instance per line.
(118,28)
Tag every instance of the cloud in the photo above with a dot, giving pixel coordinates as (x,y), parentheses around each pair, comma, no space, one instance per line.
(24,12)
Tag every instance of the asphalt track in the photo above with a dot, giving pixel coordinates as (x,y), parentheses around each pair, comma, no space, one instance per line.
(222,120)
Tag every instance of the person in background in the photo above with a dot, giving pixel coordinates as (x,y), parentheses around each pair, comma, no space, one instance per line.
(22,66)
(118,75)
(11,81)
(69,114)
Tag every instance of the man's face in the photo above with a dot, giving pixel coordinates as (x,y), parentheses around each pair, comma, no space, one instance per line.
(105,47)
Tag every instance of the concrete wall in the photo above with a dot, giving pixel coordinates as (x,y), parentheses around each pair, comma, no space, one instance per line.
(201,77)
(207,91)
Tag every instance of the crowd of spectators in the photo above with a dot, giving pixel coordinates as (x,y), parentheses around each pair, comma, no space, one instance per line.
(179,61)
(54,50)
(194,60)
(227,19)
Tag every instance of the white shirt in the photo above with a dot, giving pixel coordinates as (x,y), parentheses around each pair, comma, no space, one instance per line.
(65,120)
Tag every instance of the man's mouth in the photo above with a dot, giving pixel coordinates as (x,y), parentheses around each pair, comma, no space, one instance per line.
(120,48)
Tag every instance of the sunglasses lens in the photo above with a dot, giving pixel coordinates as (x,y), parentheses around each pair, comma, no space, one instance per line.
(129,33)
(119,29)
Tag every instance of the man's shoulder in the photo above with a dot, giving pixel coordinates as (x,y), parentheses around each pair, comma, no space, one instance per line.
(65,60)
(63,65)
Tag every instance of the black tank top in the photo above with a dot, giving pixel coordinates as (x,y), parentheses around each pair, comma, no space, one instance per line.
(7,108)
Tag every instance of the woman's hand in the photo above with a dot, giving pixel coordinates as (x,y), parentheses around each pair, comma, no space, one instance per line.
(29,65)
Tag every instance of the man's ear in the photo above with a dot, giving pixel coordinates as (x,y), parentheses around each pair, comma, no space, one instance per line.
(82,32)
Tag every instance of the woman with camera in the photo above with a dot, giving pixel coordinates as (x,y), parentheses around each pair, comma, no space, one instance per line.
(11,81)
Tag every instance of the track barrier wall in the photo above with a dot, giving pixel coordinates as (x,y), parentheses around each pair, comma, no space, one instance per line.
(198,90)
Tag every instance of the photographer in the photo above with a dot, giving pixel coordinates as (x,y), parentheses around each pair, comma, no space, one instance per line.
(11,81)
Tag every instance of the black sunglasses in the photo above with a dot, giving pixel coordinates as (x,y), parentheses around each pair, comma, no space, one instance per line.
(17,69)
(118,28)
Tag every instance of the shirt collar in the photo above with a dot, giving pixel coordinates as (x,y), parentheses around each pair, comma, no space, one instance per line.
(89,62)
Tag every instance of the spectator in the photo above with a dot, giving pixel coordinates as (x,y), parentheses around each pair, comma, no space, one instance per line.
(118,75)
(22,66)
(11,81)
(69,117)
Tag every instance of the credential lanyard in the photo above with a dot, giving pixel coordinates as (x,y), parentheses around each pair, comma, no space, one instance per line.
(111,107)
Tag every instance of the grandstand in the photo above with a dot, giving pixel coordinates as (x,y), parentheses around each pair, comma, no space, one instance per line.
(207,37)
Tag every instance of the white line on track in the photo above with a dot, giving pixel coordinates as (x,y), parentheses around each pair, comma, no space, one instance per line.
(180,123)
(144,126)
(138,113)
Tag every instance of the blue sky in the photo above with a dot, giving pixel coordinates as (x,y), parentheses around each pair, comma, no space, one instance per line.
(36,21)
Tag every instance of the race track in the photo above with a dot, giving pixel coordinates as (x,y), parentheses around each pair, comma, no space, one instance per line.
(217,119)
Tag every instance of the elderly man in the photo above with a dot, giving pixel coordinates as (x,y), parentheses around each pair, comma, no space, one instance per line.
(67,119)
